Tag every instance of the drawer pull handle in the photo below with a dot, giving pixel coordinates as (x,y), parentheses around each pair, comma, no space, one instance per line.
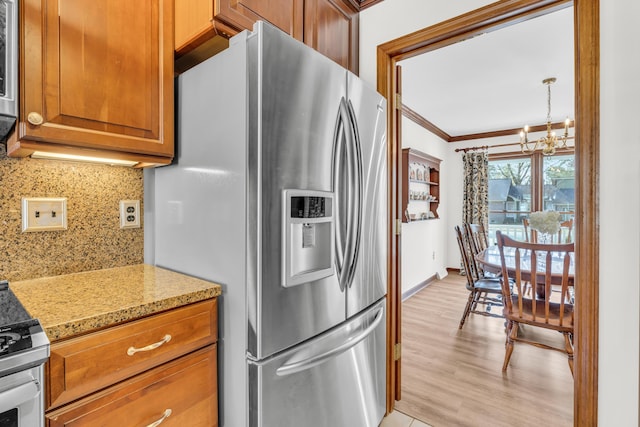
(132,350)
(165,415)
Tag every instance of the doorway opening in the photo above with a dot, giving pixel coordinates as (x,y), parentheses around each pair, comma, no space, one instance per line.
(490,18)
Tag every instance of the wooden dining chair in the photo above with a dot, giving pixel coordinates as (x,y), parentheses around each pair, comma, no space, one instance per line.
(564,233)
(477,236)
(484,291)
(543,308)
(478,241)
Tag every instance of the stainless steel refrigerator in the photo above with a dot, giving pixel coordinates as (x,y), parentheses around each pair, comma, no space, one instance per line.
(279,193)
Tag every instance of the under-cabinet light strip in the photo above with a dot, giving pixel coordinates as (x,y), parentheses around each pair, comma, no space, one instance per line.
(58,156)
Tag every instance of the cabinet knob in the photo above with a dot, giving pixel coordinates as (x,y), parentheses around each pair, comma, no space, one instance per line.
(35,118)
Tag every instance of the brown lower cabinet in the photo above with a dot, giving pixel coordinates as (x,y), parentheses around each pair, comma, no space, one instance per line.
(181,393)
(160,367)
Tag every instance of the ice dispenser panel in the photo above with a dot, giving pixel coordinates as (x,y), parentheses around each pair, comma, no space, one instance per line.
(308,236)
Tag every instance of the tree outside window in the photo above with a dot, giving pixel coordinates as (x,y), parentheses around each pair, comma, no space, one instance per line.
(521,184)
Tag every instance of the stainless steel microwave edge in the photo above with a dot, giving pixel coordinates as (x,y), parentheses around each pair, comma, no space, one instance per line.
(8,65)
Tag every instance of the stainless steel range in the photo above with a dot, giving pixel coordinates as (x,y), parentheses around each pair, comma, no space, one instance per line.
(24,348)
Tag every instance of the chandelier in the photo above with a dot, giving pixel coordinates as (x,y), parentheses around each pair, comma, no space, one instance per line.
(549,143)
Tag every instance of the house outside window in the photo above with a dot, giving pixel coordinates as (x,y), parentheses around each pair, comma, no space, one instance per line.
(520,184)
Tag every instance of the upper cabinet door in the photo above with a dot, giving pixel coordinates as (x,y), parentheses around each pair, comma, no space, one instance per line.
(197,21)
(284,14)
(329,26)
(332,28)
(203,27)
(98,74)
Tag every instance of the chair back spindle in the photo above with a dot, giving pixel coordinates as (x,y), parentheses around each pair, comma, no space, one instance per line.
(477,236)
(466,257)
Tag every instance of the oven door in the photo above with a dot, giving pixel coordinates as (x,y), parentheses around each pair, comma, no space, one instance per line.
(22,399)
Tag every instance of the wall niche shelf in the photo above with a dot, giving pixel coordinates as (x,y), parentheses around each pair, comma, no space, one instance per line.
(420,186)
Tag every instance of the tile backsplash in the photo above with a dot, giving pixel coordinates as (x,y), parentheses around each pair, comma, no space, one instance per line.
(93,239)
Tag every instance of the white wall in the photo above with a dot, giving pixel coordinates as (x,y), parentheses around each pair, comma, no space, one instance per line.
(381,23)
(391,19)
(424,246)
(420,239)
(619,211)
(619,178)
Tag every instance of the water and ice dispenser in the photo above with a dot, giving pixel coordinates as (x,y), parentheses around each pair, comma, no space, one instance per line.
(308,236)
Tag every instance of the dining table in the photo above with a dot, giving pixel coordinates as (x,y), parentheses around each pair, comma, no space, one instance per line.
(489,258)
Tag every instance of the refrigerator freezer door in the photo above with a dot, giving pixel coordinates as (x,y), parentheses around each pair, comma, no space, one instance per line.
(335,380)
(294,98)
(368,111)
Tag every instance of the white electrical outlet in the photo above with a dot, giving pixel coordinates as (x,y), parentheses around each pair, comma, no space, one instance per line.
(129,213)
(44,213)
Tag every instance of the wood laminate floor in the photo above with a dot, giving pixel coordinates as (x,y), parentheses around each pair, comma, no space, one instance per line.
(453,377)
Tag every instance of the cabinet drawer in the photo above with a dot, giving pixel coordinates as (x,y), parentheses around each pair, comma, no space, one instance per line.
(89,363)
(186,388)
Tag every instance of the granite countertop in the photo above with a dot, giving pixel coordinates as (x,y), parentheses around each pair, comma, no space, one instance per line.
(77,303)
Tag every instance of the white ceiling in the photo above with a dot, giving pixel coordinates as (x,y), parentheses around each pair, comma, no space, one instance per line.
(494,81)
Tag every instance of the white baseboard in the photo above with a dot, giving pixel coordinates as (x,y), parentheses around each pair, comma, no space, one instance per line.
(417,288)
(441,274)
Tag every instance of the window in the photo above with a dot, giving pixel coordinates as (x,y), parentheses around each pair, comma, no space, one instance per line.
(520,184)
(559,184)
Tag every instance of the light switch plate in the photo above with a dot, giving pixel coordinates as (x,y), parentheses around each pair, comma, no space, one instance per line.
(44,213)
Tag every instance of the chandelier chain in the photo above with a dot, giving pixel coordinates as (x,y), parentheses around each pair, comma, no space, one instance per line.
(548,103)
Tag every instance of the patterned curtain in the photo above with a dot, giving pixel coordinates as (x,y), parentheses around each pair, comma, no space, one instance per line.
(475,205)
(475,202)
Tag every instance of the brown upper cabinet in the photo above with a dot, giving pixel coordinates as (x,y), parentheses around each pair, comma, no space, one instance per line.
(332,27)
(203,27)
(363,4)
(96,78)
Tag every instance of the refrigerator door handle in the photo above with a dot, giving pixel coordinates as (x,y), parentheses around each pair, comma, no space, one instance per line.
(289,368)
(352,199)
(338,165)
(348,191)
(355,176)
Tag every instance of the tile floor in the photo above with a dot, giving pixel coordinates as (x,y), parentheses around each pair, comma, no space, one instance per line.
(398,419)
